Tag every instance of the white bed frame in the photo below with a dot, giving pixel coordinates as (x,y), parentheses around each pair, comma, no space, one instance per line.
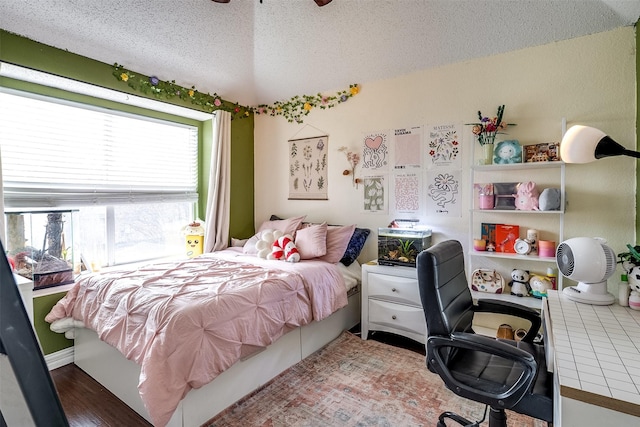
(110,368)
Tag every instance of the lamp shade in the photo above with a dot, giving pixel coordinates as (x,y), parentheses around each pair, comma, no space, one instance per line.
(579,144)
(584,144)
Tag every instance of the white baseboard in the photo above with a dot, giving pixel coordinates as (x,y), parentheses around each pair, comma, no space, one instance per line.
(59,358)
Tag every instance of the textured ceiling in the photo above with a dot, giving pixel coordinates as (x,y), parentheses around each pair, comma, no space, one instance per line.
(253,52)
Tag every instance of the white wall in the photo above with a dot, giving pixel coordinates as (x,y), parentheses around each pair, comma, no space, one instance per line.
(589,80)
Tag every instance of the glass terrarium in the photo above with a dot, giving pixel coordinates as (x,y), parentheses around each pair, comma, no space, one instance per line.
(401,246)
(41,246)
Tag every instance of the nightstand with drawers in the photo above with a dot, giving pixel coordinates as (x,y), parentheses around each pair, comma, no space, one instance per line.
(391,301)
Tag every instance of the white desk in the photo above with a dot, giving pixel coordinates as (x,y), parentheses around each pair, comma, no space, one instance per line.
(595,351)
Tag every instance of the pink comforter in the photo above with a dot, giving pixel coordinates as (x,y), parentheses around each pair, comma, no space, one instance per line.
(186,322)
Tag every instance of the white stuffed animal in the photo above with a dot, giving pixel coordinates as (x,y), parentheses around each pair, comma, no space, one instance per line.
(265,244)
(520,282)
(539,286)
(634,284)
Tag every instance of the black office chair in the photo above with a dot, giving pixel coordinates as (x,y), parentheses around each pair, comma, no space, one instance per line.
(502,374)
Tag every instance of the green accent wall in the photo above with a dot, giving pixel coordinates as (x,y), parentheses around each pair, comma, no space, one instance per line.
(637,131)
(21,51)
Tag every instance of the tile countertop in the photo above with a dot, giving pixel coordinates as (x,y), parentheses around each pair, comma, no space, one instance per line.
(597,353)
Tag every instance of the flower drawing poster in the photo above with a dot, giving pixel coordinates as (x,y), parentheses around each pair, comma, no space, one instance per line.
(407,189)
(374,192)
(407,148)
(443,145)
(375,152)
(443,193)
(308,168)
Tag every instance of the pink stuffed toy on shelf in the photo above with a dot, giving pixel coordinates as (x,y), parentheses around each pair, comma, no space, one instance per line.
(527,196)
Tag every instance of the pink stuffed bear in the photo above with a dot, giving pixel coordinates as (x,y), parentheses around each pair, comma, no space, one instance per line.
(285,248)
(527,196)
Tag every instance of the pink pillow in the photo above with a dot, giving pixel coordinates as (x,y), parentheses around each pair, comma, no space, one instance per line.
(337,242)
(287,226)
(311,241)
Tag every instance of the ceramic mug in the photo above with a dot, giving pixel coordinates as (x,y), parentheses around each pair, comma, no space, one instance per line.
(479,244)
(485,201)
(546,248)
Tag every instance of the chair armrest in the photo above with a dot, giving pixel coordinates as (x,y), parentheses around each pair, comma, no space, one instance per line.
(512,309)
(507,399)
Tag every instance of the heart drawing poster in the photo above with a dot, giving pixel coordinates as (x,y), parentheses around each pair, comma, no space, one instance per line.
(375,152)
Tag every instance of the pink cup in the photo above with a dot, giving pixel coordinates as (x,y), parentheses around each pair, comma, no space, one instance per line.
(485,201)
(546,248)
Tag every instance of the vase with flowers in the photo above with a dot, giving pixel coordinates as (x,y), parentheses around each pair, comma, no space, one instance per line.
(485,132)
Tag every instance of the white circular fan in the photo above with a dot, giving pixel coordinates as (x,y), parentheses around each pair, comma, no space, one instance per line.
(591,262)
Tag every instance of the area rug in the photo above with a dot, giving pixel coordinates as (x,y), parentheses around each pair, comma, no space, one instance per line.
(352,382)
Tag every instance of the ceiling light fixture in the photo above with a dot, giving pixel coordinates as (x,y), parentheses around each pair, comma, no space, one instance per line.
(584,144)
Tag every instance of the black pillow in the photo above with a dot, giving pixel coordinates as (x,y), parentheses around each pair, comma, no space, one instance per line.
(356,243)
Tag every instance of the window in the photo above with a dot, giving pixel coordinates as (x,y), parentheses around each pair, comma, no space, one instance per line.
(132,179)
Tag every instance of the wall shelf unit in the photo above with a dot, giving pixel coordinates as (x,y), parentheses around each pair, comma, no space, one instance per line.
(549,224)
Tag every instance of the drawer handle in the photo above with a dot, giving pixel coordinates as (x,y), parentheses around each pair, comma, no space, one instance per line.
(394,317)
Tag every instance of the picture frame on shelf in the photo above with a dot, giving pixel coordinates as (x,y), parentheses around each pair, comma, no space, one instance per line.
(545,152)
(505,195)
(507,152)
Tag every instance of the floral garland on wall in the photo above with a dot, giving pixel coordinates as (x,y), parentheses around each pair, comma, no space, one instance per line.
(293,110)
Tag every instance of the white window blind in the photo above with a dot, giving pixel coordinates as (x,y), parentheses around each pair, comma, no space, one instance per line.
(60,154)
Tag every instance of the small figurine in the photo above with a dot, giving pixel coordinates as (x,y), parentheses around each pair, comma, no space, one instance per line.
(520,282)
(634,284)
(539,286)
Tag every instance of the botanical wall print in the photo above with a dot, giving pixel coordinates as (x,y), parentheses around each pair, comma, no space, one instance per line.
(308,168)
(375,194)
(375,151)
(407,148)
(407,192)
(443,145)
(443,193)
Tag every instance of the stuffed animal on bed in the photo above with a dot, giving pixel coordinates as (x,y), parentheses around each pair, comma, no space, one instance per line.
(264,245)
(284,248)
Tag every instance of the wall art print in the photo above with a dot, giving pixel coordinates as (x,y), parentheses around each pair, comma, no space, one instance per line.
(374,195)
(308,168)
(443,146)
(375,151)
(407,148)
(443,198)
(407,190)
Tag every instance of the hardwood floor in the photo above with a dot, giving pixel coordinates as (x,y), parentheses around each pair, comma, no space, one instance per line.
(87,403)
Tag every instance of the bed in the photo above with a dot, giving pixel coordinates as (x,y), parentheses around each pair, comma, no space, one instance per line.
(181,369)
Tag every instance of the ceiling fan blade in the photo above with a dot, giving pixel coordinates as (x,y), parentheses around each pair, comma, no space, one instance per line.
(322,2)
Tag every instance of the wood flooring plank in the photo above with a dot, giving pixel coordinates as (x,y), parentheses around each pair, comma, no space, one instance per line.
(87,403)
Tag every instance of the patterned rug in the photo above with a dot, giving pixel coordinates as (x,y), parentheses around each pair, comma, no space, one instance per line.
(352,382)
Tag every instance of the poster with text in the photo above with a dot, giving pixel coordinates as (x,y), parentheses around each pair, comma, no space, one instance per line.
(374,193)
(375,152)
(443,193)
(443,146)
(407,148)
(407,189)
(308,168)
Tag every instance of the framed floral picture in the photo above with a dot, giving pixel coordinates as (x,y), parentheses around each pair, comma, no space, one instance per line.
(308,168)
